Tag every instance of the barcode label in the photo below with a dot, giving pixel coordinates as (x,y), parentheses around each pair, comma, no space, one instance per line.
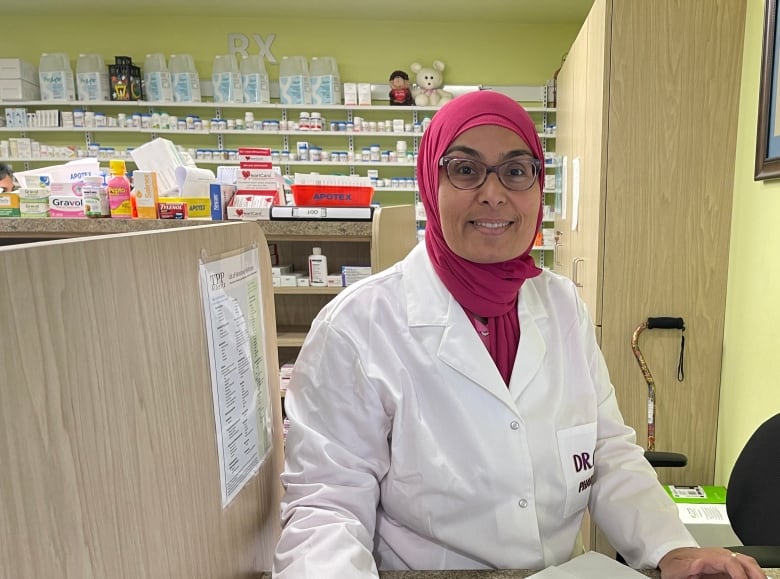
(687,492)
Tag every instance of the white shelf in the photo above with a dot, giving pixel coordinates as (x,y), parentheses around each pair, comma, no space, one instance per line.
(253,133)
(146,105)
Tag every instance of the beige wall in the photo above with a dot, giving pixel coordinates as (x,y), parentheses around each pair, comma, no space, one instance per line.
(751,361)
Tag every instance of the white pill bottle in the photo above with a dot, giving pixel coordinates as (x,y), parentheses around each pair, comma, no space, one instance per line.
(318,268)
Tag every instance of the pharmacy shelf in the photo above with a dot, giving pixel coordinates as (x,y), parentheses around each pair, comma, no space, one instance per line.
(235,132)
(308,290)
(154,105)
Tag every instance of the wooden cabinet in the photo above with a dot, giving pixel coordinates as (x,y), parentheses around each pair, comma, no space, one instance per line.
(647,116)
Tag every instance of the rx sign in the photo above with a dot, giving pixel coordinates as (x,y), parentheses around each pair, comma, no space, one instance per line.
(239,43)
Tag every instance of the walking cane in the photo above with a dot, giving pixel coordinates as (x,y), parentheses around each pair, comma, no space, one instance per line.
(657,458)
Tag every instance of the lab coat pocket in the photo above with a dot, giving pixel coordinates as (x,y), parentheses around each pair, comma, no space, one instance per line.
(576,446)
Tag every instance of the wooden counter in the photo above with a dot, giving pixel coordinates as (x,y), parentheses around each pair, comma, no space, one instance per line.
(21,230)
(505,574)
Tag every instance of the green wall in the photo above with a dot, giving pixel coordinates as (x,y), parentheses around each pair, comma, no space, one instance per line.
(750,390)
(475,53)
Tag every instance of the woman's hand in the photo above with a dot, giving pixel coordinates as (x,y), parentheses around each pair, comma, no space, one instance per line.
(689,562)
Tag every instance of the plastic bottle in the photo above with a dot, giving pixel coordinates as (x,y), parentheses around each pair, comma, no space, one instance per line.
(318,268)
(226,79)
(56,77)
(92,78)
(158,85)
(95,197)
(184,77)
(118,187)
(254,80)
(325,81)
(294,81)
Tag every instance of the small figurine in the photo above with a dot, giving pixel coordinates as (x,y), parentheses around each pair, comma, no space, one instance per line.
(400,89)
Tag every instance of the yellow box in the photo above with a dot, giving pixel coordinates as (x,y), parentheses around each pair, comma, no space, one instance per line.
(9,205)
(196,206)
(146,194)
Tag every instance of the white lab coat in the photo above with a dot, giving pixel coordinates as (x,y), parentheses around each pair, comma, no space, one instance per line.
(406,449)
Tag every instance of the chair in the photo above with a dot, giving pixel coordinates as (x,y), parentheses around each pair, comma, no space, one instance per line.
(753,495)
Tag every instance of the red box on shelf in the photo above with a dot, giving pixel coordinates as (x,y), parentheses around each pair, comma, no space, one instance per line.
(332,195)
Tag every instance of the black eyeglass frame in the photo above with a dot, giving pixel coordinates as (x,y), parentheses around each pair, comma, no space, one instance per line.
(535,163)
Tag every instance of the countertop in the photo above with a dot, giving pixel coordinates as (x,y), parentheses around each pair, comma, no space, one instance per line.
(18,229)
(506,574)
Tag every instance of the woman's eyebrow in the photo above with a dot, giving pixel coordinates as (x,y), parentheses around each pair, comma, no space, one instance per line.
(475,153)
(463,149)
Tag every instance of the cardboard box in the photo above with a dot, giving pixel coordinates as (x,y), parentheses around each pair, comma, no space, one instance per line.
(16,89)
(221,194)
(146,194)
(171,209)
(702,509)
(9,205)
(196,206)
(16,68)
(250,205)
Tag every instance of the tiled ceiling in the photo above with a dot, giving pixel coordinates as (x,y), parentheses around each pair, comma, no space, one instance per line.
(521,11)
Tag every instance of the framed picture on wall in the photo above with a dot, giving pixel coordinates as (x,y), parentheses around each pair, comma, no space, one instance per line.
(768,137)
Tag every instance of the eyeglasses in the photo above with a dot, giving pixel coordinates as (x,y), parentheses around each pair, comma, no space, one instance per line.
(516,174)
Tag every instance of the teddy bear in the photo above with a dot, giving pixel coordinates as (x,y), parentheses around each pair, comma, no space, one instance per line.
(428,80)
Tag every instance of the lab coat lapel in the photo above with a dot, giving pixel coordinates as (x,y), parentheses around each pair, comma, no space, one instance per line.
(532,349)
(456,343)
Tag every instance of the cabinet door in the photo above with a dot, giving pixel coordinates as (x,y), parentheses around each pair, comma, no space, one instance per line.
(565,98)
(673,116)
(582,101)
(591,130)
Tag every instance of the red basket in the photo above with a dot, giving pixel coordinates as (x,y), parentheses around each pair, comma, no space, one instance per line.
(332,195)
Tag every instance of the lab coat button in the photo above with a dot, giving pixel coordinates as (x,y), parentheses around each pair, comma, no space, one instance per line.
(523,503)
(514,425)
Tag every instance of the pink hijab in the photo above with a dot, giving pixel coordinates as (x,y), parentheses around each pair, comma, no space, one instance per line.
(487,290)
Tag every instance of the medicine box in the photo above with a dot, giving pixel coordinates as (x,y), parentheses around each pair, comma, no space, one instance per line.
(146,194)
(196,206)
(354,273)
(364,93)
(350,94)
(280,270)
(221,194)
(9,205)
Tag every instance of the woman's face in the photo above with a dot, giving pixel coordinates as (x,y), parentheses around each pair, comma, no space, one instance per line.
(489,224)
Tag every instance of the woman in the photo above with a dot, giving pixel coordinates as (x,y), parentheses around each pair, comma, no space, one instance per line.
(6,178)
(454,411)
